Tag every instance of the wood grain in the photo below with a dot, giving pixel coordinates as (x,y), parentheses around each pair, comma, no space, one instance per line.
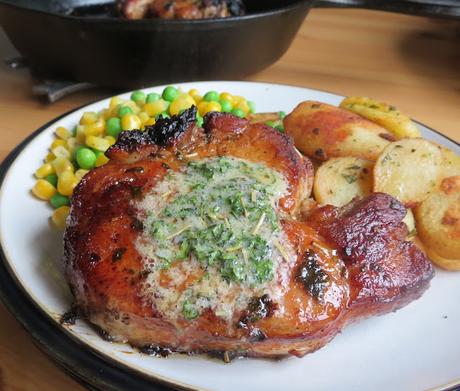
(411,62)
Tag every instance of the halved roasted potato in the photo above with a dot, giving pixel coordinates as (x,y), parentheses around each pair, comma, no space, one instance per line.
(341,179)
(445,263)
(323,131)
(409,170)
(438,220)
(383,114)
(450,164)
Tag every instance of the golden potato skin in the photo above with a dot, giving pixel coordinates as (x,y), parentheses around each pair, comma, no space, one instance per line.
(340,180)
(323,131)
(438,220)
(383,114)
(408,169)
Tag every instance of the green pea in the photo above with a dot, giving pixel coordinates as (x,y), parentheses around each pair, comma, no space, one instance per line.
(152,97)
(125,110)
(86,158)
(170,93)
(52,178)
(270,123)
(58,200)
(238,113)
(211,96)
(113,127)
(226,106)
(252,106)
(138,96)
(280,128)
(97,153)
(282,114)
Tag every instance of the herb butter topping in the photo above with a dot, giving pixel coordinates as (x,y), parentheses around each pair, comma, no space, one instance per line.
(212,237)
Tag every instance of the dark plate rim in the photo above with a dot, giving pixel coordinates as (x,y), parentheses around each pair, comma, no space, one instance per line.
(83,363)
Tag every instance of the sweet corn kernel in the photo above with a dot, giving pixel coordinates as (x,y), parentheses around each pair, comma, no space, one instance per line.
(197,99)
(71,144)
(44,170)
(110,139)
(115,101)
(43,189)
(63,133)
(144,117)
(59,216)
(214,106)
(155,108)
(98,143)
(80,134)
(203,108)
(61,165)
(113,112)
(150,122)
(101,160)
(130,121)
(96,128)
(182,103)
(88,117)
(57,143)
(49,157)
(66,183)
(61,151)
(103,113)
(243,105)
(237,99)
(226,96)
(193,91)
(80,173)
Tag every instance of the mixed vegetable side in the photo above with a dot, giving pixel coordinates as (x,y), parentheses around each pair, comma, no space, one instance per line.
(75,151)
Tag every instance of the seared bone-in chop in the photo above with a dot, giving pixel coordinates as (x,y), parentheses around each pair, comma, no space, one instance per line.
(180,9)
(192,239)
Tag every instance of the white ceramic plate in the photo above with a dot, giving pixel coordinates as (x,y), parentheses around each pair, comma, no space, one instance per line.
(415,348)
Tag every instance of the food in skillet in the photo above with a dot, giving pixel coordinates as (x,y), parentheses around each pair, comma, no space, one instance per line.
(180,9)
(192,239)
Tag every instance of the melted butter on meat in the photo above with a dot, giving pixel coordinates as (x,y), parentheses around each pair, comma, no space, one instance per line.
(212,239)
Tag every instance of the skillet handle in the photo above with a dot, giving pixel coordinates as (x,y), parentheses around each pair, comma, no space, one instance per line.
(446,8)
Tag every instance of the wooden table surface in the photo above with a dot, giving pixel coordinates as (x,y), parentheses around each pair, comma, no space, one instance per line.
(411,62)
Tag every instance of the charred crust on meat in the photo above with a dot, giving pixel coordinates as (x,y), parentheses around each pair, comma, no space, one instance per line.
(139,170)
(137,225)
(94,258)
(165,166)
(130,141)
(156,351)
(118,253)
(166,130)
(70,317)
(258,308)
(312,276)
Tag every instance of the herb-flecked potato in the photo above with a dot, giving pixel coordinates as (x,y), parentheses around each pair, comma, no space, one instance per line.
(450,164)
(383,114)
(323,131)
(438,220)
(409,170)
(341,179)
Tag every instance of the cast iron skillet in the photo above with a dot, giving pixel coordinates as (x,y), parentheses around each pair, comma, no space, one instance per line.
(129,54)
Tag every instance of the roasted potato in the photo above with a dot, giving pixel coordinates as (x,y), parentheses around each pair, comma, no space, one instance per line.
(409,220)
(438,220)
(409,170)
(341,179)
(322,131)
(445,263)
(450,164)
(383,114)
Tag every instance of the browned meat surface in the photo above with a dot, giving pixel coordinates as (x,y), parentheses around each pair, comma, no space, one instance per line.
(180,9)
(338,266)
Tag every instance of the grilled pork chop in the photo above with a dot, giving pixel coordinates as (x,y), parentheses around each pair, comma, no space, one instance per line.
(191,239)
